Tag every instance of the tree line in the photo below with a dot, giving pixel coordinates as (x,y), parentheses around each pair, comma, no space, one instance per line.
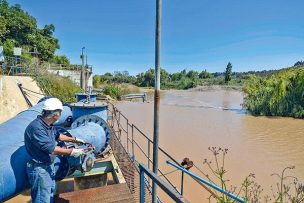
(271,93)
(178,80)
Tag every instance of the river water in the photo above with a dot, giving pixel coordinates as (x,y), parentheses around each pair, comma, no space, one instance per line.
(192,121)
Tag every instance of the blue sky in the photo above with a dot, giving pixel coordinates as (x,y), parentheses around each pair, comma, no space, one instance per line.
(196,34)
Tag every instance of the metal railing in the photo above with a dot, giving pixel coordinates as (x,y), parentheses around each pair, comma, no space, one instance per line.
(142,96)
(121,125)
(21,66)
(15,66)
(235,197)
(176,196)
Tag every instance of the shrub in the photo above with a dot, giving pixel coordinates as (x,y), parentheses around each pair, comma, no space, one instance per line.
(61,87)
(278,95)
(117,90)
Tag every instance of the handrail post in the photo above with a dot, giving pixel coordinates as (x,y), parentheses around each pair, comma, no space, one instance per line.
(127,135)
(149,143)
(182,184)
(133,155)
(142,185)
(149,154)
(119,118)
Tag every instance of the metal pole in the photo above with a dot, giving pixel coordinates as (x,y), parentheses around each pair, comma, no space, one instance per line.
(133,155)
(82,81)
(86,74)
(182,184)
(156,95)
(149,154)
(127,136)
(142,185)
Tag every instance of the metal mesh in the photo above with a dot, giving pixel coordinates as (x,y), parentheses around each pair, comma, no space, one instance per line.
(128,168)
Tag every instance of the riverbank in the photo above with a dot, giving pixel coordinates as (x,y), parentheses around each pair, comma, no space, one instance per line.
(216,88)
(192,121)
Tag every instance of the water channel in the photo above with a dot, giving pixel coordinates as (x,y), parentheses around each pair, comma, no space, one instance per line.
(192,121)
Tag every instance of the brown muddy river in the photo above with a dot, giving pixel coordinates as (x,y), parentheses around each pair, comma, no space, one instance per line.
(192,121)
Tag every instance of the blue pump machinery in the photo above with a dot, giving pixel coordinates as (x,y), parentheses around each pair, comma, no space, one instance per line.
(89,124)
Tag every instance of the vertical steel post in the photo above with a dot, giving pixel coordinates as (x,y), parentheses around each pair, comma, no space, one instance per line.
(133,155)
(86,74)
(119,129)
(142,185)
(127,136)
(82,76)
(149,154)
(182,183)
(156,95)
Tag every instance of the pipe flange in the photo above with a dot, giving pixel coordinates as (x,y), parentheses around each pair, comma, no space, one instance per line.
(83,120)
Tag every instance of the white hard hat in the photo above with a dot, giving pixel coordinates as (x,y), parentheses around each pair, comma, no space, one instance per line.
(52,104)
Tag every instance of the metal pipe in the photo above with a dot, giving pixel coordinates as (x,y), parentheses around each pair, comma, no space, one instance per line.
(13,159)
(235,197)
(13,153)
(156,95)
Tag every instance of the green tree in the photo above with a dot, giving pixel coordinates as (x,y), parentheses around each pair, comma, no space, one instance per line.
(96,80)
(149,78)
(205,74)
(107,77)
(228,72)
(60,59)
(176,76)
(164,77)
(8,47)
(19,28)
(3,28)
(193,75)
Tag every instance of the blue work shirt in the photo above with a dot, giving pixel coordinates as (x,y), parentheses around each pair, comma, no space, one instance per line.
(40,141)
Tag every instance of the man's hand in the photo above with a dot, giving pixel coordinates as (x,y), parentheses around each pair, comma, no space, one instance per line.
(78,140)
(77,152)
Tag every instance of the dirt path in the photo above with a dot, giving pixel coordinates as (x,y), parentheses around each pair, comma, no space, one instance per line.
(11,99)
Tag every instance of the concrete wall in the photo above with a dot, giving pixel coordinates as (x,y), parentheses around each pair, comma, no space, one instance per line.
(11,99)
(74,75)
